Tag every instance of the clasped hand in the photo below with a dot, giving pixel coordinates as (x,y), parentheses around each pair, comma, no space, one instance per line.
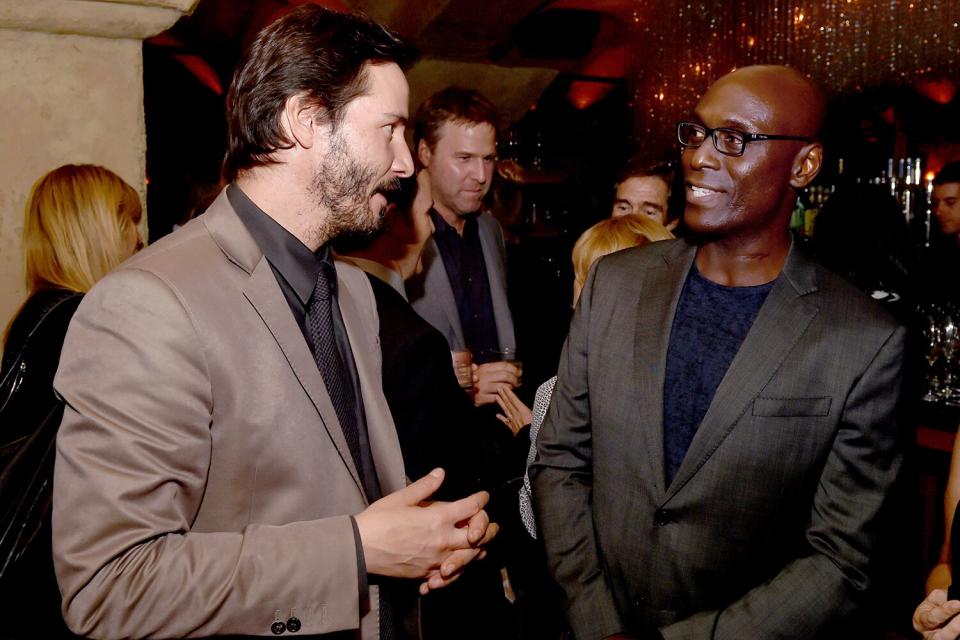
(936,618)
(405,536)
(488,378)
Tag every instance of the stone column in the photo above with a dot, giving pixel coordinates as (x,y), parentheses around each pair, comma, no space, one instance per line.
(71,91)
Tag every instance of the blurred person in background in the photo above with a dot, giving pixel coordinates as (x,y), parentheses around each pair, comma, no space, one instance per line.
(463,288)
(538,598)
(81,222)
(860,234)
(645,189)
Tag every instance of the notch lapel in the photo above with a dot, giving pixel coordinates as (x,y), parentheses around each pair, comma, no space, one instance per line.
(437,290)
(357,305)
(264,294)
(494,259)
(784,317)
(655,311)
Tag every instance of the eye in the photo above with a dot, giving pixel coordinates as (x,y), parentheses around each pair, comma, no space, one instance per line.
(729,137)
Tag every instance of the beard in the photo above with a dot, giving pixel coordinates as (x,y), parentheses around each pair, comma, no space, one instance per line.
(341,186)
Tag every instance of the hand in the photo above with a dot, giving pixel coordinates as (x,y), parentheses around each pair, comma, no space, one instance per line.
(406,537)
(487,378)
(936,617)
(516,415)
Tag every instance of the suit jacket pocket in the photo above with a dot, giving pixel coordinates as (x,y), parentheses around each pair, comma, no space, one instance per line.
(791,407)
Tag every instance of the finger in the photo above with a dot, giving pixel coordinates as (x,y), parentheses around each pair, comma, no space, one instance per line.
(416,492)
(488,535)
(934,617)
(505,420)
(455,562)
(477,527)
(436,581)
(465,508)
(503,403)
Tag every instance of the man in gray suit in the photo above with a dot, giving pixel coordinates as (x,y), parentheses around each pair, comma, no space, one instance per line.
(462,290)
(227,464)
(717,456)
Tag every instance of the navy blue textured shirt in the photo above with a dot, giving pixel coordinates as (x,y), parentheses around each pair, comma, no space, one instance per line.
(710,324)
(463,259)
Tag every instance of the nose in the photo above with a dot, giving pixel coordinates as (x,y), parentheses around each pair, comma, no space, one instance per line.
(478,170)
(703,157)
(402,160)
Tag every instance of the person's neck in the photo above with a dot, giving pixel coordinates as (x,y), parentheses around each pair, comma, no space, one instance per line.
(271,189)
(744,262)
(451,217)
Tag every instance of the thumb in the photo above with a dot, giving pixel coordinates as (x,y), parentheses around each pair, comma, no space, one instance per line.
(416,492)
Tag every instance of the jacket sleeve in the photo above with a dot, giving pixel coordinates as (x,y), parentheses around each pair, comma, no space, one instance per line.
(133,457)
(814,594)
(562,477)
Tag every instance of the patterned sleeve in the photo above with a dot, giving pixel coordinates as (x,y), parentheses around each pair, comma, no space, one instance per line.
(541,402)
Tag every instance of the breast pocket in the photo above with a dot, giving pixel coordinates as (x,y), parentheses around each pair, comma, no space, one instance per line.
(791,407)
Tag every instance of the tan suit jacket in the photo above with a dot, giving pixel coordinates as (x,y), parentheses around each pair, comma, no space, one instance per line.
(203,484)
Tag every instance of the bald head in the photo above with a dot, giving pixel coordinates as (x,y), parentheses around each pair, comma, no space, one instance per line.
(751,194)
(796,103)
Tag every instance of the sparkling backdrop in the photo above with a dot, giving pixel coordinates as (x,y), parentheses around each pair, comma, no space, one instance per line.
(680,47)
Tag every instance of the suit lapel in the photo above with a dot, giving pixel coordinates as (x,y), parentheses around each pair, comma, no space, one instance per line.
(655,310)
(439,281)
(357,306)
(263,292)
(784,317)
(493,260)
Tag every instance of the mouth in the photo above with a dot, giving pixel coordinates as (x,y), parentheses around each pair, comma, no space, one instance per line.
(696,193)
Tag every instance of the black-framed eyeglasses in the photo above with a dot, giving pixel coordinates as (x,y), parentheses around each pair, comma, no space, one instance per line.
(730,142)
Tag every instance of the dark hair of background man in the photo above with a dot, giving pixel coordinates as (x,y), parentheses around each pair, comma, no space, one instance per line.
(453,104)
(949,174)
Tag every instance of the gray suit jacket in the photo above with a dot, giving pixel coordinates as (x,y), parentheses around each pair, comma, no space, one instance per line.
(767,529)
(203,485)
(431,296)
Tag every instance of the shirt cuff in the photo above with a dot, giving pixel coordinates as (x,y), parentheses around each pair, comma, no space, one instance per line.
(364,585)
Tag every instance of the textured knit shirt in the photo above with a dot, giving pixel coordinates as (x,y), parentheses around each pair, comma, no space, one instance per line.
(710,324)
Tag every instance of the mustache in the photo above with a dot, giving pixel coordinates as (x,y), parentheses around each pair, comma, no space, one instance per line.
(389,187)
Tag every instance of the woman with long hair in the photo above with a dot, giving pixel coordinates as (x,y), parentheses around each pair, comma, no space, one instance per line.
(81,222)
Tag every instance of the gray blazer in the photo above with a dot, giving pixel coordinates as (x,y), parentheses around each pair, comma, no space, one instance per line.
(768,528)
(431,296)
(203,485)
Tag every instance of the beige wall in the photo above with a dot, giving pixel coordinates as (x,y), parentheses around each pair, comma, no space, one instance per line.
(63,98)
(71,91)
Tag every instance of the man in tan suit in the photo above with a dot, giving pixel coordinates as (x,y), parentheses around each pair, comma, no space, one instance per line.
(227,464)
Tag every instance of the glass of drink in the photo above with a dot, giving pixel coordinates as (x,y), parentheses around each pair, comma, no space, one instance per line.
(463,368)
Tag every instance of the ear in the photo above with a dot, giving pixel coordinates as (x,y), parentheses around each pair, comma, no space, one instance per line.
(806,165)
(424,154)
(300,122)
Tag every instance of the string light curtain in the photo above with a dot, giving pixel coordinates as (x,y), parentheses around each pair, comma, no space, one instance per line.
(679,47)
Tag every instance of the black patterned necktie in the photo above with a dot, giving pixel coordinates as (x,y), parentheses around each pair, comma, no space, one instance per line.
(340,389)
(327,357)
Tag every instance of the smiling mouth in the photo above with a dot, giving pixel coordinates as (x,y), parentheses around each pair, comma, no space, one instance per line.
(700,192)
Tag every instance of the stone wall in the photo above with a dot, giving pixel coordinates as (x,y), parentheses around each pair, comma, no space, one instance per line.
(71,91)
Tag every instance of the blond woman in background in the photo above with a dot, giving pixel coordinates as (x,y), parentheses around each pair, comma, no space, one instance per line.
(81,222)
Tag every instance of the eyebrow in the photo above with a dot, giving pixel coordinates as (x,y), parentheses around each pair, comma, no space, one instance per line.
(396,117)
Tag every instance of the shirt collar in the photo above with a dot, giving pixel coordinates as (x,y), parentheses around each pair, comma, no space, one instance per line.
(440,225)
(287,255)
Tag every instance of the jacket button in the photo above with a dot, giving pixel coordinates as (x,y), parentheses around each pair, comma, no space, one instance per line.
(278,627)
(662,517)
(293,625)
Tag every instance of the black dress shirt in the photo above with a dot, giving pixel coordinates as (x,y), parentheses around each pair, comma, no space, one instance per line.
(463,259)
(295,268)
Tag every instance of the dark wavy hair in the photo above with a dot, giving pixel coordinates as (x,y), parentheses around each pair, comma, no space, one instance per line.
(949,173)
(311,51)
